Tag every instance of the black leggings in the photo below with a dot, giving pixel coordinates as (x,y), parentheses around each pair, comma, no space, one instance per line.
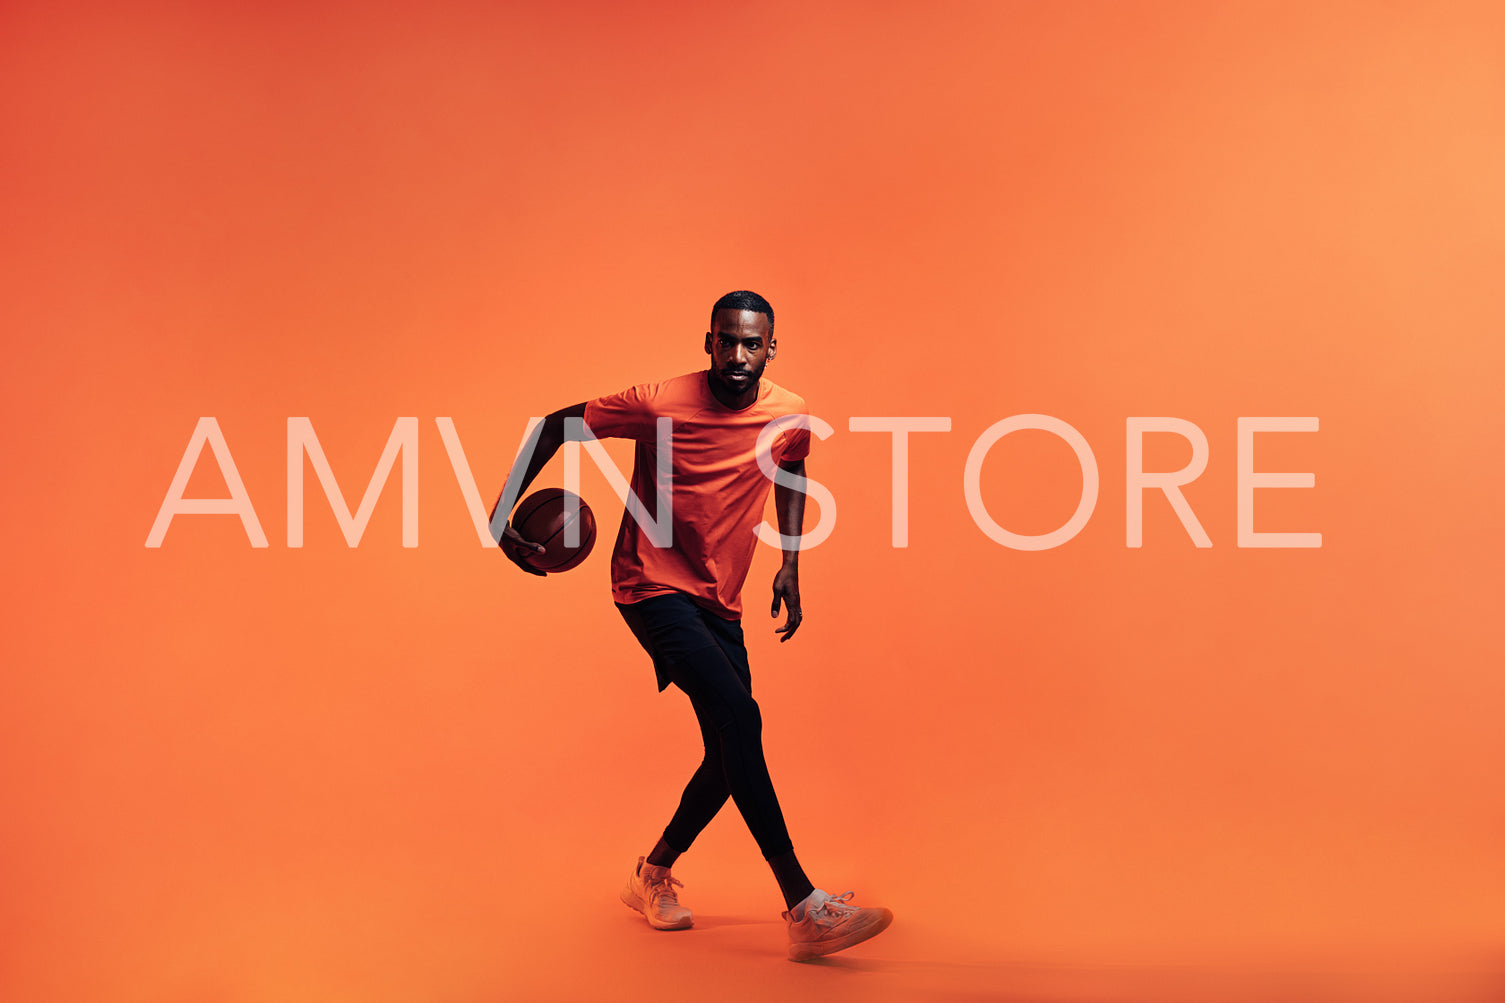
(704,656)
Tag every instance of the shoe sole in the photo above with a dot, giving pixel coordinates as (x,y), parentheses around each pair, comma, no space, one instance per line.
(806,950)
(638,906)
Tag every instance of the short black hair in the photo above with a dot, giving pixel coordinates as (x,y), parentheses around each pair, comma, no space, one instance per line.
(743,299)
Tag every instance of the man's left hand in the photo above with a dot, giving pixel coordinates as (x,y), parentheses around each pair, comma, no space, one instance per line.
(786,587)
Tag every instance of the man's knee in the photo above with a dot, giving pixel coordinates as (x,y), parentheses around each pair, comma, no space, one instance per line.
(740,716)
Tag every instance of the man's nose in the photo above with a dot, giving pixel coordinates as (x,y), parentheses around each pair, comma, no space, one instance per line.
(740,355)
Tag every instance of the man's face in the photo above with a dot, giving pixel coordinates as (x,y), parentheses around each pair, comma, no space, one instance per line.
(740,345)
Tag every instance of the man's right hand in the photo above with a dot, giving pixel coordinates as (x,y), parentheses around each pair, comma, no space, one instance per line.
(516,548)
(547,438)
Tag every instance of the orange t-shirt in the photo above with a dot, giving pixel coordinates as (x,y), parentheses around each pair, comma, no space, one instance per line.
(717,492)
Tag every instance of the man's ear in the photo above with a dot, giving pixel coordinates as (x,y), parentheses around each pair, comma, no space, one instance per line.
(773,347)
(708,343)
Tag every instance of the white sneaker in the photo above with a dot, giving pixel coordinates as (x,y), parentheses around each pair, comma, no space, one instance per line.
(650,891)
(825,924)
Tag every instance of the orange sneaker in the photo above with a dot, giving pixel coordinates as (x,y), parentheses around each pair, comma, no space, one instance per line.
(825,924)
(650,891)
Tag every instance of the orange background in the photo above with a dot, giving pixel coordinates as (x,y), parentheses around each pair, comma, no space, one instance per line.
(1091,773)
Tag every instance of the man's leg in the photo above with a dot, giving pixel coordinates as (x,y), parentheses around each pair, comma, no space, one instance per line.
(719,685)
(702,799)
(705,657)
(718,682)
(663,625)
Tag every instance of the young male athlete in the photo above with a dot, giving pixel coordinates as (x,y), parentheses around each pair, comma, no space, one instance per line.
(682,600)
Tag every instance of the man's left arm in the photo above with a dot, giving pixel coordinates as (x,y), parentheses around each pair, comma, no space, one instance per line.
(790,505)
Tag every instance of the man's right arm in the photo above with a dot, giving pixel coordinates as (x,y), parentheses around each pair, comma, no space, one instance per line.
(548,437)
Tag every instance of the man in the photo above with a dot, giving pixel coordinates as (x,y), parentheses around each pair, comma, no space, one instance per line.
(682,599)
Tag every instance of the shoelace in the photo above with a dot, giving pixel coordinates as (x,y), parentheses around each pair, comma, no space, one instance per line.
(833,910)
(662,890)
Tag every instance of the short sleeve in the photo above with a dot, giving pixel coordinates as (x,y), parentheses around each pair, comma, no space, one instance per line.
(796,444)
(626,415)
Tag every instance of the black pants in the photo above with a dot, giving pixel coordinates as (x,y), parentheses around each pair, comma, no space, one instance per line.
(704,656)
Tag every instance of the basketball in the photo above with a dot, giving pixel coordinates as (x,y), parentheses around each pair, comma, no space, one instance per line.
(542,518)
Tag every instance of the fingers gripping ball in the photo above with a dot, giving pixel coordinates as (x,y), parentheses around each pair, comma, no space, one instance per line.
(543,517)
